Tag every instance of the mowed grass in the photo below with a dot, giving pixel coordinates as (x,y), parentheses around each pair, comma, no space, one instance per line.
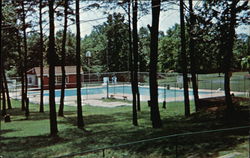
(113,126)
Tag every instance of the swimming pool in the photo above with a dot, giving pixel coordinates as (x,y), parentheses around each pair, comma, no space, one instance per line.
(125,90)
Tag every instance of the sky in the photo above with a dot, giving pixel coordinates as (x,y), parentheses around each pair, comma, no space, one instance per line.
(95,17)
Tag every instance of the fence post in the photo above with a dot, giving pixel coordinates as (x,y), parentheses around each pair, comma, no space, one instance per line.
(164,102)
(103,152)
(123,88)
(107,90)
(211,87)
(176,147)
(245,91)
(220,83)
(239,90)
(16,88)
(249,146)
(175,92)
(86,91)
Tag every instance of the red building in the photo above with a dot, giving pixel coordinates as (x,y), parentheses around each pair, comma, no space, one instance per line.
(34,78)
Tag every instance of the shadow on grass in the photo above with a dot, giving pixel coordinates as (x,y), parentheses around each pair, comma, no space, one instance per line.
(6,131)
(15,111)
(45,115)
(91,119)
(200,145)
(116,128)
(26,146)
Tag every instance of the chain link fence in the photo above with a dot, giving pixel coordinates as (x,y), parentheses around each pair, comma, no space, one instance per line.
(175,145)
(117,85)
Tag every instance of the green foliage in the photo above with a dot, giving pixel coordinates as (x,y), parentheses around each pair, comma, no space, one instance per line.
(144,49)
(9,39)
(169,50)
(245,63)
(34,50)
(70,53)
(12,30)
(241,51)
(108,44)
(97,45)
(213,29)
(117,42)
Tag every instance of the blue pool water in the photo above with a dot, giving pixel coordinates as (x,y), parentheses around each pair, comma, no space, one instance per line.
(122,90)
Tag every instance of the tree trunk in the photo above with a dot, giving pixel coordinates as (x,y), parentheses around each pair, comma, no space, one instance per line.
(3,80)
(21,68)
(229,55)
(192,56)
(138,97)
(41,56)
(25,55)
(134,110)
(80,122)
(135,51)
(1,61)
(23,89)
(4,100)
(184,60)
(6,90)
(154,31)
(51,61)
(60,112)
(27,112)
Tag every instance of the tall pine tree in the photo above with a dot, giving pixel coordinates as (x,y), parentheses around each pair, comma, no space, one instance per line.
(51,61)
(63,52)
(80,122)
(41,54)
(192,54)
(184,60)
(154,31)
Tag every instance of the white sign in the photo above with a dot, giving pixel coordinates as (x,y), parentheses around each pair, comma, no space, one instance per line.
(105,80)
(179,79)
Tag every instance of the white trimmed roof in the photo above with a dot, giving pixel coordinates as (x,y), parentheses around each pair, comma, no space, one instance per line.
(69,70)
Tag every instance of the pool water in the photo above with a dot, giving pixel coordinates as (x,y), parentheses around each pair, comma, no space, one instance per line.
(123,90)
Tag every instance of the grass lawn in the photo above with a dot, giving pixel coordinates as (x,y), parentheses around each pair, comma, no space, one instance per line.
(238,82)
(113,126)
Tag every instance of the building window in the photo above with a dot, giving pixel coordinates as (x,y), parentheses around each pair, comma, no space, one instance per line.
(59,79)
(30,80)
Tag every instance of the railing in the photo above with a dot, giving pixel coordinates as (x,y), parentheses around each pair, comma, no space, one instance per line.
(154,139)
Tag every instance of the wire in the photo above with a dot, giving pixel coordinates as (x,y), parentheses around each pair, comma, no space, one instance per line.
(156,138)
(166,17)
(84,21)
(81,21)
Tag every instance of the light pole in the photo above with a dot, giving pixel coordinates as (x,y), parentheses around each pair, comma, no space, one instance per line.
(107,55)
(88,56)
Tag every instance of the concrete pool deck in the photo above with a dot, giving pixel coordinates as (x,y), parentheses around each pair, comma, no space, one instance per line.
(96,99)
